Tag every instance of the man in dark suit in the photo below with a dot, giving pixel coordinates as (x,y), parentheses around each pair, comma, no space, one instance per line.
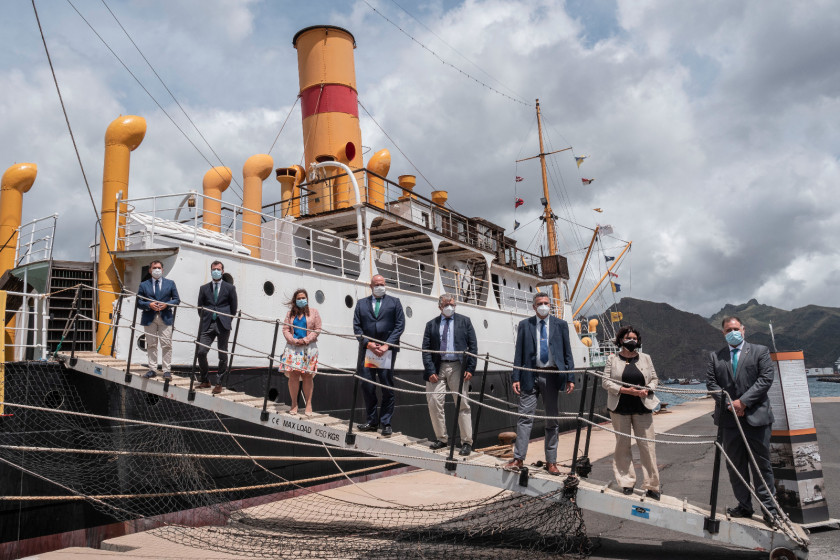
(217,304)
(451,332)
(542,343)
(154,297)
(378,323)
(745,371)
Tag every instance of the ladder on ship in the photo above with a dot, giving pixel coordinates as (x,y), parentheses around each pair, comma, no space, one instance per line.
(669,513)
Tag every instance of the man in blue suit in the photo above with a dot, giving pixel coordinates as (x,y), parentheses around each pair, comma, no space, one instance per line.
(542,343)
(378,323)
(154,297)
(449,332)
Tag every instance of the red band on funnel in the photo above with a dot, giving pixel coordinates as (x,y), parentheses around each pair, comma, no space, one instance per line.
(332,98)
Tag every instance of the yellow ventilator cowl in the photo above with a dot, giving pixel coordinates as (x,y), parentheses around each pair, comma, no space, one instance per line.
(256,170)
(215,182)
(379,163)
(17,180)
(290,178)
(440,197)
(123,136)
(577,326)
(593,325)
(407,182)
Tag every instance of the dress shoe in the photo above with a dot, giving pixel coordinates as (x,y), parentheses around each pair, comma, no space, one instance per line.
(552,469)
(653,495)
(739,511)
(367,427)
(203,385)
(149,374)
(437,444)
(167,375)
(466,449)
(514,465)
(217,389)
(627,490)
(387,431)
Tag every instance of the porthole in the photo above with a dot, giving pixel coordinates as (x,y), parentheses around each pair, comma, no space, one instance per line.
(152,399)
(348,301)
(53,399)
(141,342)
(409,312)
(227,277)
(272,394)
(486,324)
(504,281)
(268,288)
(518,285)
(319,296)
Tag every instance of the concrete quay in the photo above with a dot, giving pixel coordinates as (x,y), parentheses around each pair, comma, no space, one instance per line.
(685,471)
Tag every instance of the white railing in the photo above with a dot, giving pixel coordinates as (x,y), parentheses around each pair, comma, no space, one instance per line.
(35,240)
(32,319)
(404,273)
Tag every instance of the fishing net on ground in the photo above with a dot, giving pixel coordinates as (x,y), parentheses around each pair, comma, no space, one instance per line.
(216,483)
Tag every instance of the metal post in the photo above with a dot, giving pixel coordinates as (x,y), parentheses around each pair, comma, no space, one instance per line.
(451,465)
(233,347)
(311,251)
(131,343)
(584,466)
(264,413)
(341,254)
(481,396)
(711,524)
(174,314)
(579,423)
(350,438)
(118,315)
(191,392)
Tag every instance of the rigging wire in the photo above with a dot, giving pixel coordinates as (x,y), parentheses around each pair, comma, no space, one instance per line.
(136,79)
(436,55)
(172,95)
(283,125)
(457,51)
(76,149)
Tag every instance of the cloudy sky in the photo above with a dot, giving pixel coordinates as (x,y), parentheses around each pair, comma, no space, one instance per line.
(712,127)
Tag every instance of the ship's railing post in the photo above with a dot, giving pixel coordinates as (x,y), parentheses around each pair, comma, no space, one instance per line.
(264,413)
(118,316)
(584,466)
(232,349)
(451,465)
(131,343)
(711,524)
(579,420)
(75,320)
(276,243)
(481,396)
(174,315)
(191,391)
(154,221)
(341,255)
(45,317)
(350,438)
(311,251)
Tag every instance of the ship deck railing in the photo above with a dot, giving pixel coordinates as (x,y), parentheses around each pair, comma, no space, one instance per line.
(35,240)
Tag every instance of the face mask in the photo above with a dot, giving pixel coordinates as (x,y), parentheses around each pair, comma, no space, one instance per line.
(379,291)
(734,338)
(301,303)
(157,273)
(216,274)
(630,344)
(448,311)
(542,310)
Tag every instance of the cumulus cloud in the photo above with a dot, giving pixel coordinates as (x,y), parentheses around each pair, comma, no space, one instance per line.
(709,125)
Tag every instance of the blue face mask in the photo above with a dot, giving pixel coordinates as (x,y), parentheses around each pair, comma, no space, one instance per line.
(216,274)
(301,303)
(734,338)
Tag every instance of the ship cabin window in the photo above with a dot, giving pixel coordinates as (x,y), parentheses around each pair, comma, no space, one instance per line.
(504,281)
(486,324)
(268,288)
(518,286)
(531,289)
(348,301)
(409,312)
(425,217)
(141,342)
(319,296)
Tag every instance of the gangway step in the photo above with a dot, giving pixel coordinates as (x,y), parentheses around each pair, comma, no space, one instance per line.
(669,513)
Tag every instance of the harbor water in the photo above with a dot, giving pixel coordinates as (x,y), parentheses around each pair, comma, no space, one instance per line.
(817,389)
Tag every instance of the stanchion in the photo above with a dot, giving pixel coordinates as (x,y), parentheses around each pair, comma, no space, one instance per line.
(191,392)
(451,465)
(118,316)
(481,396)
(232,352)
(264,413)
(131,344)
(350,437)
(584,465)
(579,421)
(73,359)
(711,524)
(166,381)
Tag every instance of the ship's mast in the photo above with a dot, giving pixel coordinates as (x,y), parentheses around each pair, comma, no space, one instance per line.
(549,215)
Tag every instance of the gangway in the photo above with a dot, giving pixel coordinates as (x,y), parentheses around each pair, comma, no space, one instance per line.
(668,513)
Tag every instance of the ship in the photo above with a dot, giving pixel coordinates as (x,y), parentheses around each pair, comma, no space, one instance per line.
(340,219)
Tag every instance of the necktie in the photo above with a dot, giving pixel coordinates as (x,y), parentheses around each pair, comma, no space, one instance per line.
(444,338)
(215,296)
(157,288)
(735,362)
(376,304)
(543,343)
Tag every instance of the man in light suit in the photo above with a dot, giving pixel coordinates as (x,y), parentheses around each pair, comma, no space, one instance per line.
(453,332)
(542,342)
(154,297)
(378,318)
(217,304)
(745,371)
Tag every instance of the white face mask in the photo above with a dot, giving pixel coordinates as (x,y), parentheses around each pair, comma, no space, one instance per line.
(542,310)
(448,311)
(379,291)
(157,273)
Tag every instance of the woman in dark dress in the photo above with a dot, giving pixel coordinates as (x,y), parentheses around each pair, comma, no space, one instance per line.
(630,381)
